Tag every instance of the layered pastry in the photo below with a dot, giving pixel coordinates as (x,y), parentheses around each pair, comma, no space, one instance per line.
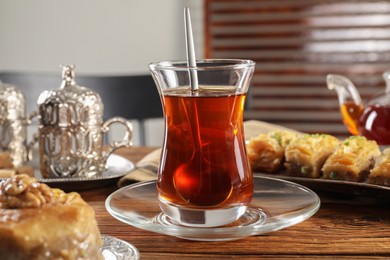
(352,160)
(37,222)
(7,169)
(306,155)
(5,160)
(380,174)
(266,151)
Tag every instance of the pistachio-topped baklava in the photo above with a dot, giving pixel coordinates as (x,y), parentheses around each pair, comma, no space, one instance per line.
(380,174)
(266,151)
(352,160)
(306,155)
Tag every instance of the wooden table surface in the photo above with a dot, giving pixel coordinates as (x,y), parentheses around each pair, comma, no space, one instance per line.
(354,230)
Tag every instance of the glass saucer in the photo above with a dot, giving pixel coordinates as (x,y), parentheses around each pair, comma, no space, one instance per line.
(276,204)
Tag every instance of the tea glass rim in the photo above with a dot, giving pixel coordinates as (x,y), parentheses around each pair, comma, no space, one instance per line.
(207,64)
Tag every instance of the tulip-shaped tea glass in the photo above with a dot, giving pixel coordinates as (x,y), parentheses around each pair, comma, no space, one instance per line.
(204,178)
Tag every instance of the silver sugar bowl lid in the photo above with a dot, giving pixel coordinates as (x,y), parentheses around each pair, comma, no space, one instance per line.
(86,103)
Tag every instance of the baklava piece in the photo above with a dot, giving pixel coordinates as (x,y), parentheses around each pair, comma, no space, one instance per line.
(37,222)
(25,169)
(380,174)
(352,160)
(266,151)
(5,160)
(8,170)
(306,155)
(7,173)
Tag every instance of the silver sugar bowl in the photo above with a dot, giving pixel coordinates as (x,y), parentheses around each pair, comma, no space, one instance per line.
(71,130)
(13,124)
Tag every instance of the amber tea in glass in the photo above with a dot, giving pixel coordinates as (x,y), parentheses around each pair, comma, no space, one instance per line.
(204,178)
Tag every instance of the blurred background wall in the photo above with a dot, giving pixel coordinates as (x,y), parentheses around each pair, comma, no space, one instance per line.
(99,36)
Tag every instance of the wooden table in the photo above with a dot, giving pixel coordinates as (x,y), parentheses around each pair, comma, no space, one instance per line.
(338,230)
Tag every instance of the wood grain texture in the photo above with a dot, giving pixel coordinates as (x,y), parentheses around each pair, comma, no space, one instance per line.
(337,230)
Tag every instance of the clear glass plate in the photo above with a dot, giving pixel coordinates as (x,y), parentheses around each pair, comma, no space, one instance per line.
(276,204)
(117,249)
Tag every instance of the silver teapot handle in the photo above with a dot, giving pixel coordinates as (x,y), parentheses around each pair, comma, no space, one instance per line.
(125,142)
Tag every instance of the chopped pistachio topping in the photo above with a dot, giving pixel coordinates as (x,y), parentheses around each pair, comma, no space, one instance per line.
(305,170)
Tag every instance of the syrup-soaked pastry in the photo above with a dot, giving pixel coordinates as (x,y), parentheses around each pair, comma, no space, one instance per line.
(266,151)
(25,169)
(352,160)
(37,222)
(11,172)
(7,169)
(380,174)
(5,160)
(306,155)
(7,173)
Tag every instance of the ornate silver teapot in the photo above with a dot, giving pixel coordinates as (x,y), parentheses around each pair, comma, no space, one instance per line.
(71,130)
(13,124)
